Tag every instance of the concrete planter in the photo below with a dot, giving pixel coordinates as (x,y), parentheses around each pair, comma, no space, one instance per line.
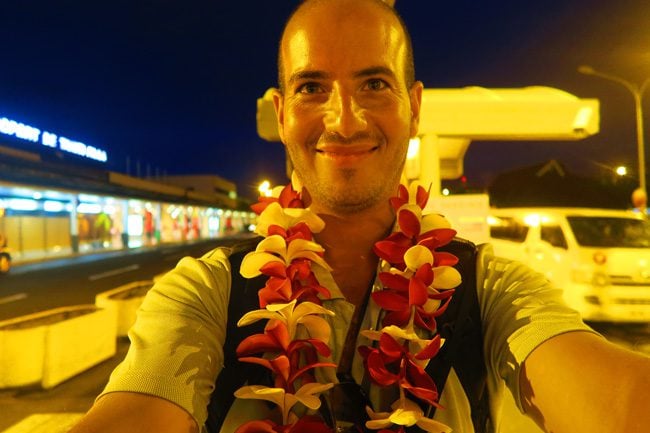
(51,346)
(123,302)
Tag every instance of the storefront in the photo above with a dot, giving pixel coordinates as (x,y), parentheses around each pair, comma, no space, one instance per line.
(42,223)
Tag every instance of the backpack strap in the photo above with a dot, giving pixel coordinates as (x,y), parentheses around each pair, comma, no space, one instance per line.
(243,298)
(460,326)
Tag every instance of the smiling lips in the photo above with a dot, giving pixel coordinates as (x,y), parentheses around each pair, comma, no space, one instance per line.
(346,155)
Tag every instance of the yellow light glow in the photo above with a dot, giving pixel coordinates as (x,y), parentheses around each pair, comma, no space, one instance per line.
(621,170)
(414,148)
(532,220)
(265,188)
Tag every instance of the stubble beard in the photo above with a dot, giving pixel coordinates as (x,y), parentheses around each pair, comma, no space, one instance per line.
(350,196)
(351,192)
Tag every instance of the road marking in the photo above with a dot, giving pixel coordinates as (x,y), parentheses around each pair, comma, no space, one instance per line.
(114,272)
(13,298)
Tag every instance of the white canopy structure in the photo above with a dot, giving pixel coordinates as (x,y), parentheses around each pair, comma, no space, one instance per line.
(451,118)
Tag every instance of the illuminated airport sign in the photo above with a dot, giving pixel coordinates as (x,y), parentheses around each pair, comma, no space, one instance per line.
(48,139)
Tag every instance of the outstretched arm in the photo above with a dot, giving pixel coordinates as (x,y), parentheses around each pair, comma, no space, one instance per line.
(579,382)
(129,412)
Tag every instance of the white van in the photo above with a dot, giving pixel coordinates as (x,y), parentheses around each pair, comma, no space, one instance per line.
(600,257)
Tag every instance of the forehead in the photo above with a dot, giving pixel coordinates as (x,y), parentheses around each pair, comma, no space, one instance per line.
(341,37)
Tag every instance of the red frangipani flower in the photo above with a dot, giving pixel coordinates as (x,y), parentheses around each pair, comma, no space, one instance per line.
(421,197)
(392,363)
(299,231)
(285,377)
(296,281)
(393,248)
(288,198)
(276,340)
(402,297)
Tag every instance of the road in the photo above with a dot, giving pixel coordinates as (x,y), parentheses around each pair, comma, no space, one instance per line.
(73,281)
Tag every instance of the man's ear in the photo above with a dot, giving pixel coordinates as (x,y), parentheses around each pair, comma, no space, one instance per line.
(415,95)
(278,104)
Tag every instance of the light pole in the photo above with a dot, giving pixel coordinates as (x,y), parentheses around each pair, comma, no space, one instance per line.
(637,93)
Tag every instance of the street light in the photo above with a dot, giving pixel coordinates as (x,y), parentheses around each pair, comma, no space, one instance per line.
(265,188)
(637,93)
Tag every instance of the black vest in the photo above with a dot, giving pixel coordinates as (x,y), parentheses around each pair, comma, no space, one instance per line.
(460,325)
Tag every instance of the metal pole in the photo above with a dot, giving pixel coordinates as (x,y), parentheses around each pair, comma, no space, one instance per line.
(640,139)
(637,93)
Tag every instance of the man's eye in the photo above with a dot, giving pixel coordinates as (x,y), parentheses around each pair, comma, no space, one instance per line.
(376,84)
(310,88)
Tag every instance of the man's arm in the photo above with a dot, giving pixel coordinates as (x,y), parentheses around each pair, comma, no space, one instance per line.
(579,382)
(129,412)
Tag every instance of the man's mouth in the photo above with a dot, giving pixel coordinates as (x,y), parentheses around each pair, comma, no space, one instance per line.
(344,155)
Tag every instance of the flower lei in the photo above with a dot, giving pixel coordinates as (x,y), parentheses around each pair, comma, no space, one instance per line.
(417,281)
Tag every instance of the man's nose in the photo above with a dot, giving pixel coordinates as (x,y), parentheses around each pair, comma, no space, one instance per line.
(344,116)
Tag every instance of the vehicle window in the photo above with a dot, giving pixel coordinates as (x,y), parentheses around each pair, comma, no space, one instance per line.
(554,236)
(610,232)
(509,229)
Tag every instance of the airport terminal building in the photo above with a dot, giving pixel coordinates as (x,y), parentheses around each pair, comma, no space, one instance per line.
(58,198)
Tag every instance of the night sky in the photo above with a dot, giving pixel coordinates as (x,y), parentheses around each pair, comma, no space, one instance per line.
(173,85)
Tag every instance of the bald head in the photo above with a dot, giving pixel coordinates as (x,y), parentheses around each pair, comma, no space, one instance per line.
(340,7)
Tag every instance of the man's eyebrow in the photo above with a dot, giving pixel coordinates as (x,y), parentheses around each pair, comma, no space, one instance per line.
(375,70)
(307,75)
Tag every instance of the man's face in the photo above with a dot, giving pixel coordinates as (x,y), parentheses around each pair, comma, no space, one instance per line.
(346,115)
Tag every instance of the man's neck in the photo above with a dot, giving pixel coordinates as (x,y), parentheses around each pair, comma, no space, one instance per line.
(348,241)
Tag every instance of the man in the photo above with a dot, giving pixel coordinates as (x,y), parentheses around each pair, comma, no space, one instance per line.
(347,105)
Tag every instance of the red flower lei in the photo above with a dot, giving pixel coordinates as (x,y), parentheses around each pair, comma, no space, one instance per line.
(417,281)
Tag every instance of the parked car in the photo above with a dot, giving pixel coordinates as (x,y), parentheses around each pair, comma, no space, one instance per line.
(600,257)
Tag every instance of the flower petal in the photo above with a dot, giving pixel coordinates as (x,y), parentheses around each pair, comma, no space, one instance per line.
(408,219)
(417,292)
(307,394)
(255,315)
(317,327)
(422,196)
(259,392)
(417,256)
(433,221)
(446,277)
(254,261)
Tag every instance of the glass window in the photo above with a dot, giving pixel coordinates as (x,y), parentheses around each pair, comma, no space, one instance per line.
(508,229)
(610,232)
(554,236)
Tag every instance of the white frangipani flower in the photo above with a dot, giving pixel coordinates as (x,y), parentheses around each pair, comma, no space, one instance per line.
(306,314)
(274,214)
(275,249)
(307,395)
(406,413)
